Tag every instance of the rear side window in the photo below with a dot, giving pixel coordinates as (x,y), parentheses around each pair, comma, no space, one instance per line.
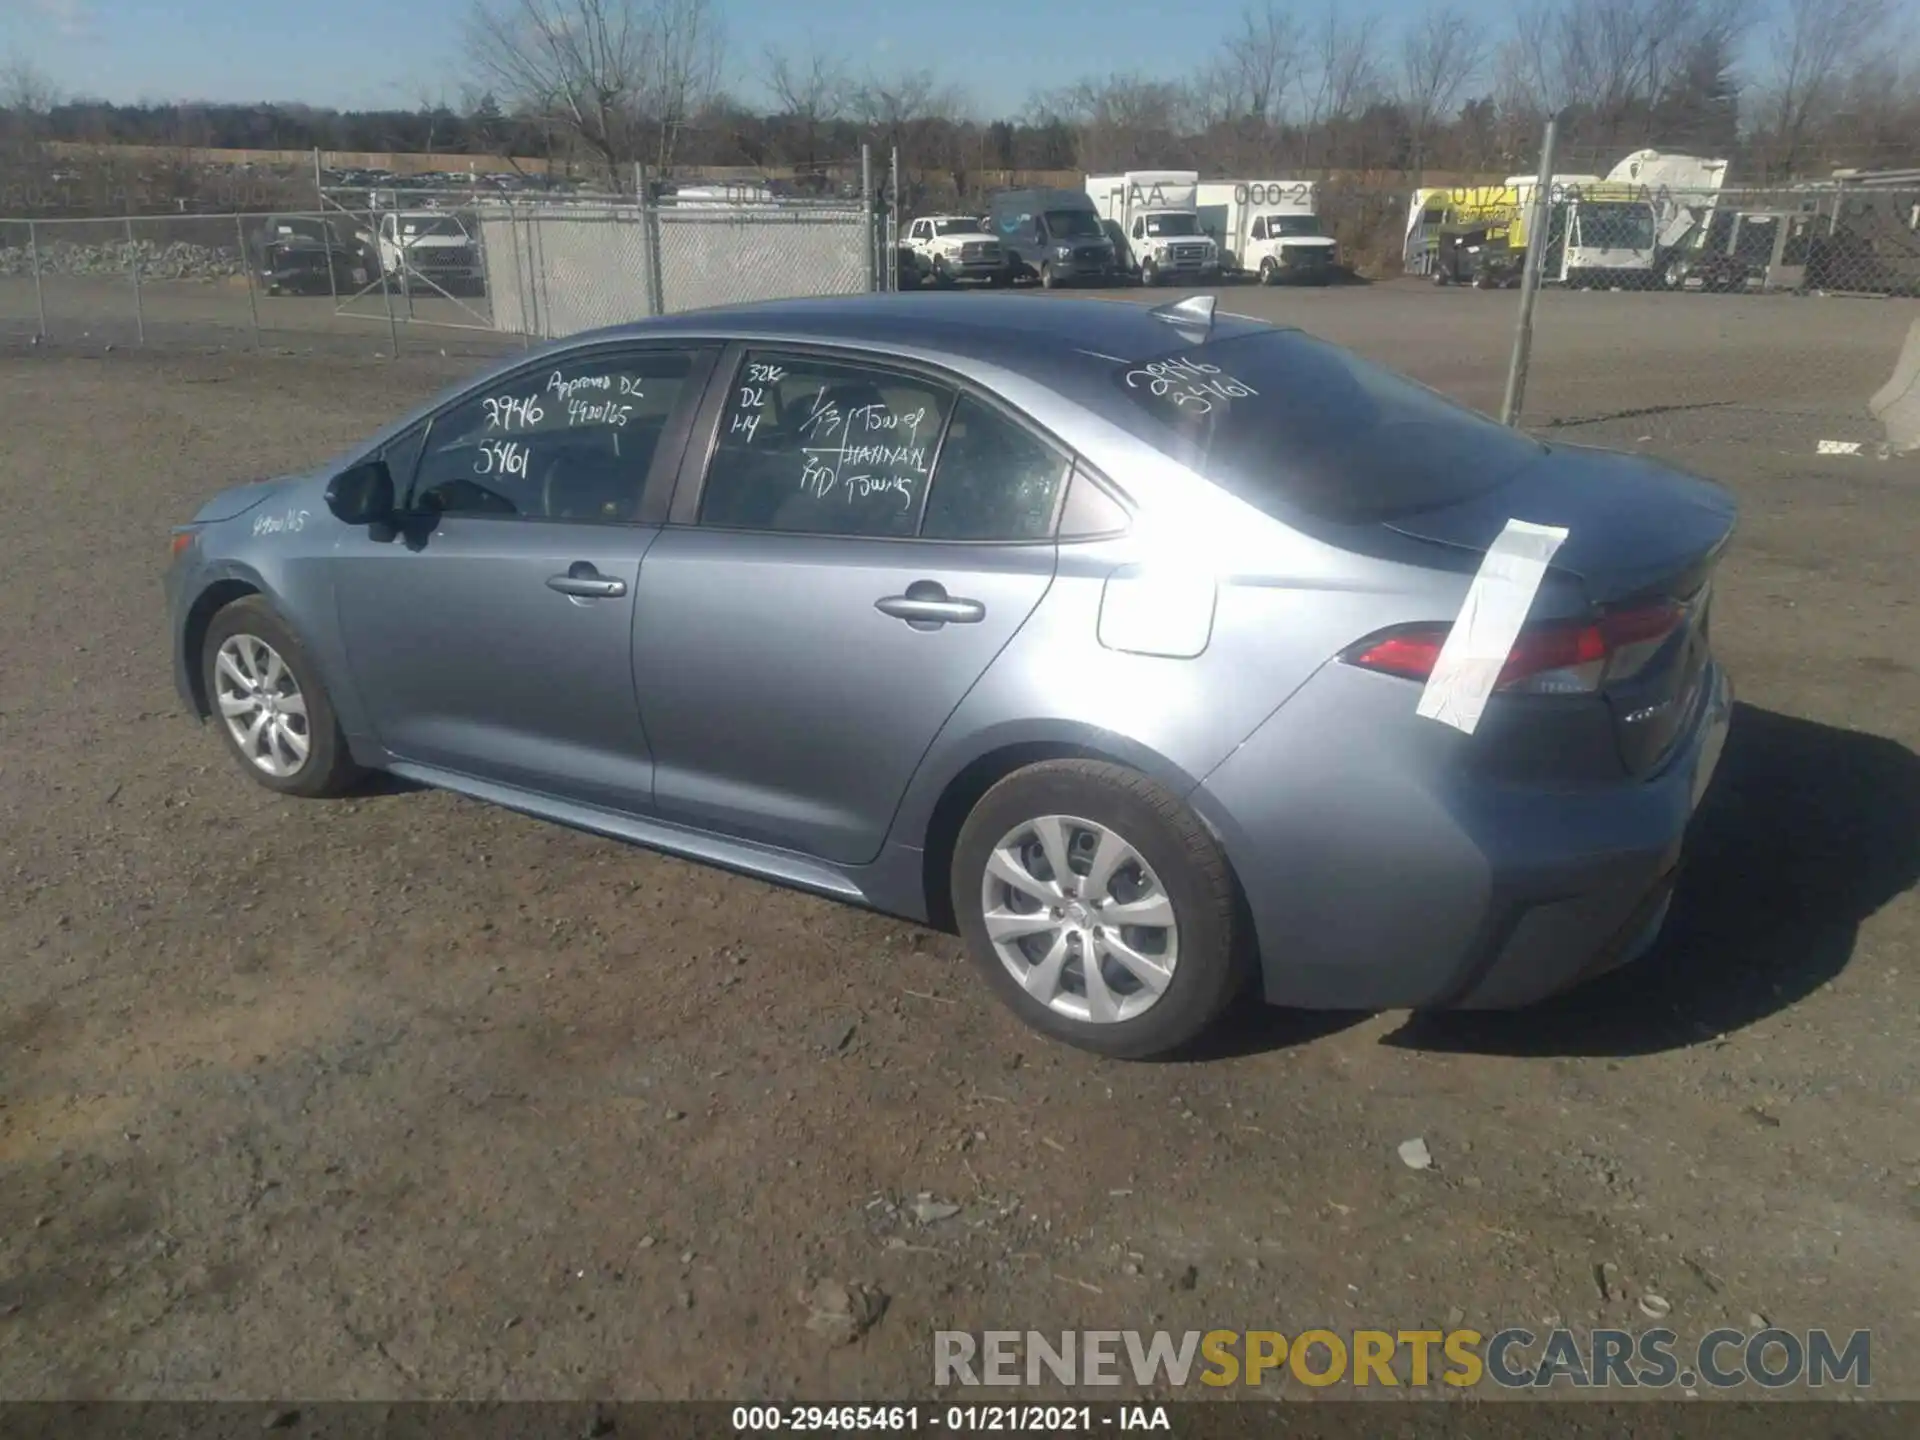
(1289,423)
(824,448)
(995,481)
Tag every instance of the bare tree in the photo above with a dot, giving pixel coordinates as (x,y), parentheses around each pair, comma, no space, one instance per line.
(1342,77)
(1125,122)
(623,76)
(812,93)
(1814,45)
(921,117)
(1609,63)
(25,88)
(1262,60)
(1441,55)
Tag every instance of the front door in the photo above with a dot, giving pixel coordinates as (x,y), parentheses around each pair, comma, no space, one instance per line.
(492,636)
(832,596)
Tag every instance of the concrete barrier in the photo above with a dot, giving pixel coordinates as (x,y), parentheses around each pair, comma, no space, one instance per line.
(1896,404)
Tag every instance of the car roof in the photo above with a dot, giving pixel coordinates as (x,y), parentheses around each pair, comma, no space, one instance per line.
(1025,334)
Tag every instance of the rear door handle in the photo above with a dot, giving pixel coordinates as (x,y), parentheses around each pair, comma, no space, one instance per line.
(927,606)
(584,582)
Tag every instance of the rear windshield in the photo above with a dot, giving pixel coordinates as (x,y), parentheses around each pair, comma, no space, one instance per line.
(1289,423)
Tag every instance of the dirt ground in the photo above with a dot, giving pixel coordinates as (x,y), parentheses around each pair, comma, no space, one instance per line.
(409,1097)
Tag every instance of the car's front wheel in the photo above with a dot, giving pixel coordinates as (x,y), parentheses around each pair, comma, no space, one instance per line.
(272,710)
(1099,908)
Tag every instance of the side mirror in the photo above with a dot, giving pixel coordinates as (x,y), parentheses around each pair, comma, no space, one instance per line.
(362,495)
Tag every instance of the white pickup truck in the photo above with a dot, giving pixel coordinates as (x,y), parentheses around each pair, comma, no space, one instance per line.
(957,247)
(433,248)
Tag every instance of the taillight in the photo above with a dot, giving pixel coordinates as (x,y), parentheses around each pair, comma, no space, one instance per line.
(1554,658)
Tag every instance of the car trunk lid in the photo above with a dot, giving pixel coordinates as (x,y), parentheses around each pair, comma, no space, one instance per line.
(1643,542)
(1635,530)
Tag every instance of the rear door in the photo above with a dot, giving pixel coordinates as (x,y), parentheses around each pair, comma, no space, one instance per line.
(860,543)
(492,636)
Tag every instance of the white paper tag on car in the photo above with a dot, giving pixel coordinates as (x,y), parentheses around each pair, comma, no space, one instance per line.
(1490,618)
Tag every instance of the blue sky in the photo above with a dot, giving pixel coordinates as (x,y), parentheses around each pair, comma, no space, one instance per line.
(396,52)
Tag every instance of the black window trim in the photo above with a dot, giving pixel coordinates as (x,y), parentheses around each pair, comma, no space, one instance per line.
(655,486)
(1084,471)
(697,463)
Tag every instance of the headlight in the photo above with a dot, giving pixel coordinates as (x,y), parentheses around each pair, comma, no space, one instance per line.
(1063,251)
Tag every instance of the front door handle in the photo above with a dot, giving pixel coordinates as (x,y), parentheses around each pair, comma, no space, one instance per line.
(927,606)
(583,582)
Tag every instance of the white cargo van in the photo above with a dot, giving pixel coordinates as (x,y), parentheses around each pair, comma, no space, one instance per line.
(1150,216)
(1268,228)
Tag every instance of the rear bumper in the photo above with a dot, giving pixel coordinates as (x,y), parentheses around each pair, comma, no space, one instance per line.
(1381,882)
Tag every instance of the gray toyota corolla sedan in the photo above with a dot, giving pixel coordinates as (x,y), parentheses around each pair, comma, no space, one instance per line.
(1166,654)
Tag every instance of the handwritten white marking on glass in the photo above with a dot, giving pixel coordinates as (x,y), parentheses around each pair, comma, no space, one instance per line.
(510,412)
(566,389)
(502,457)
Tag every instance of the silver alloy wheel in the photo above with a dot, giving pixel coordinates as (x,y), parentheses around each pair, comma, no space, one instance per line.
(1079,919)
(262,705)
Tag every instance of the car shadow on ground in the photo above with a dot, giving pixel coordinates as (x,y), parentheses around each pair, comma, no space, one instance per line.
(1254,1028)
(1805,833)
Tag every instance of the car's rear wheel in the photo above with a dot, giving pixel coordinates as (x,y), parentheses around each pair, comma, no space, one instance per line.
(1099,908)
(272,710)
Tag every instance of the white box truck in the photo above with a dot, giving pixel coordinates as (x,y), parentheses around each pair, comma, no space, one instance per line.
(1268,228)
(1150,216)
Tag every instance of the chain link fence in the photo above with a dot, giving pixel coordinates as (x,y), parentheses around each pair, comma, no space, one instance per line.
(1772,316)
(423,273)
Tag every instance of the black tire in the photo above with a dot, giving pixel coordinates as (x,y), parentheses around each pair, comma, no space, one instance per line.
(1214,958)
(328,768)
(1149,274)
(1269,272)
(1047,280)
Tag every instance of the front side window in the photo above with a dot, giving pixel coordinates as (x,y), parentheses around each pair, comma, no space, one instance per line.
(569,441)
(824,448)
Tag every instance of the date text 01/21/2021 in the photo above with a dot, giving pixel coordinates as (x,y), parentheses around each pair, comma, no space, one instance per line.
(1002,1419)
